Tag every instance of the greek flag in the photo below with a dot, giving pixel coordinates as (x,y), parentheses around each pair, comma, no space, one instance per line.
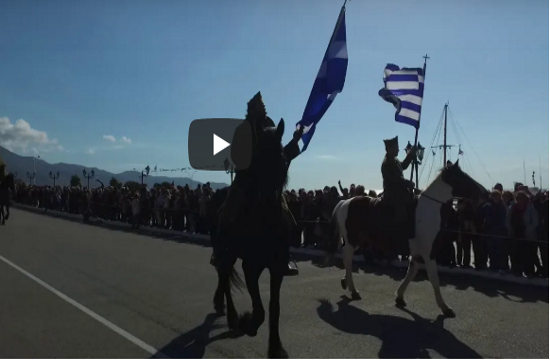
(329,82)
(404,88)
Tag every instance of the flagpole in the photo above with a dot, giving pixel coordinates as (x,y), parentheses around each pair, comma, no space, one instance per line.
(415,163)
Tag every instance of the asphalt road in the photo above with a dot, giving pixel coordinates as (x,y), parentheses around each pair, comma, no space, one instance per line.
(75,290)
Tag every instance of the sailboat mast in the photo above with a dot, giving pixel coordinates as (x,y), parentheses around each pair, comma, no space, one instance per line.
(445,137)
(540,174)
(524,173)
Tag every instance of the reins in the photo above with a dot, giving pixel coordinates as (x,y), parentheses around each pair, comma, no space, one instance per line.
(431,198)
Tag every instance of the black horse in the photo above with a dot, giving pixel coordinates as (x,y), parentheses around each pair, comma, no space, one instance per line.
(7,187)
(260,237)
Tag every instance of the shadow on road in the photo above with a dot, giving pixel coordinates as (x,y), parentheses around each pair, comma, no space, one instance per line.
(492,288)
(192,344)
(401,338)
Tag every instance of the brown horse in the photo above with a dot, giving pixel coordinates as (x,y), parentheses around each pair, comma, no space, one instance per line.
(361,220)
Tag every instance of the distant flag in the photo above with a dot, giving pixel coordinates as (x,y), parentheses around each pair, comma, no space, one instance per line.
(460,152)
(329,82)
(404,88)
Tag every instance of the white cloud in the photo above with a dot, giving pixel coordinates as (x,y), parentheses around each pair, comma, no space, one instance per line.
(90,151)
(126,140)
(110,138)
(327,157)
(20,136)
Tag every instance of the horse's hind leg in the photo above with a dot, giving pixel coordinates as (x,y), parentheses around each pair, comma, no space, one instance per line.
(431,269)
(411,273)
(219,305)
(250,323)
(275,348)
(347,281)
(224,288)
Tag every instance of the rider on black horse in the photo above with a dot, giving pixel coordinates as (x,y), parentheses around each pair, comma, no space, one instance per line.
(398,193)
(236,198)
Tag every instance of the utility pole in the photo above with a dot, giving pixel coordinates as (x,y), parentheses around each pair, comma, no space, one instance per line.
(34,168)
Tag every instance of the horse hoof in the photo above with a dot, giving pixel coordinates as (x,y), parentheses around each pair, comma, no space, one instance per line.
(245,325)
(233,322)
(355,296)
(449,313)
(344,283)
(400,303)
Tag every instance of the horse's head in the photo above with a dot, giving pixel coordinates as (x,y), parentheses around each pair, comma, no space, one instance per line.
(462,184)
(269,166)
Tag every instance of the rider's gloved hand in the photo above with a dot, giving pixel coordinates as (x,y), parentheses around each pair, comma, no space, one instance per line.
(298,134)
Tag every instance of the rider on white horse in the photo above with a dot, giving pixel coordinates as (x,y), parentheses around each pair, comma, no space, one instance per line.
(398,192)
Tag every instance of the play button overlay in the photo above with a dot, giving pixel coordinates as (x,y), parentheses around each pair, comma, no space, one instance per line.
(216,144)
(219,144)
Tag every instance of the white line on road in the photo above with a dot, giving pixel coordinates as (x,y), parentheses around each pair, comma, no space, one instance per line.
(151,350)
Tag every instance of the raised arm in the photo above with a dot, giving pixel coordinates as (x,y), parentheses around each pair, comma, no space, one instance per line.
(292,149)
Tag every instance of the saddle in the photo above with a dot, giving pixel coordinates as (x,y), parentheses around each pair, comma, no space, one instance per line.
(373,222)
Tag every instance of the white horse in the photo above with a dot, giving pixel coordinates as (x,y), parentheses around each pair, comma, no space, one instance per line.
(354,220)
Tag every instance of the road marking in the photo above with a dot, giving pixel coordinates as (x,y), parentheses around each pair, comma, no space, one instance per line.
(151,350)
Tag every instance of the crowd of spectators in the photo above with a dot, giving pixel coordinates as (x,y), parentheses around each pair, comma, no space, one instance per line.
(507,233)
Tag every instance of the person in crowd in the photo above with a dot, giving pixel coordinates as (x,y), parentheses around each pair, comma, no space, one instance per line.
(448,235)
(493,217)
(522,222)
(467,231)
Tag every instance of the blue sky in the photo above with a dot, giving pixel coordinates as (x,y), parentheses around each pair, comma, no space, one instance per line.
(78,71)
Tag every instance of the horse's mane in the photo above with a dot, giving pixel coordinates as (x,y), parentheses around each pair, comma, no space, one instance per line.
(267,144)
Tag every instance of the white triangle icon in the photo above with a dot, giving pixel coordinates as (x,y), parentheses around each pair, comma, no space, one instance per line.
(219,144)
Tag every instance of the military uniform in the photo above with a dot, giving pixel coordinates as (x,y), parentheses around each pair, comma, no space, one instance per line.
(236,198)
(397,194)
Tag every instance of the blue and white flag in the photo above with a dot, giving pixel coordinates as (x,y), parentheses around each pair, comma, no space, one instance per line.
(329,82)
(404,88)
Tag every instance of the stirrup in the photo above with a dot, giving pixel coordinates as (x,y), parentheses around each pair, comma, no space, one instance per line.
(292,268)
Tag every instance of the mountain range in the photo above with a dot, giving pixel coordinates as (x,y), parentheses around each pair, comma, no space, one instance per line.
(20,165)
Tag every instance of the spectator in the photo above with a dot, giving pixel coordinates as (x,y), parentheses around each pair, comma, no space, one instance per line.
(493,217)
(522,222)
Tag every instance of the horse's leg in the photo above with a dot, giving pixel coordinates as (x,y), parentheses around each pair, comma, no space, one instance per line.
(275,348)
(7,216)
(219,305)
(232,316)
(431,269)
(2,216)
(347,254)
(411,273)
(225,269)
(250,323)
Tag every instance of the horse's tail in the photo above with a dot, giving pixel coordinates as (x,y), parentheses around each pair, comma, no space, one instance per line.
(334,231)
(235,280)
